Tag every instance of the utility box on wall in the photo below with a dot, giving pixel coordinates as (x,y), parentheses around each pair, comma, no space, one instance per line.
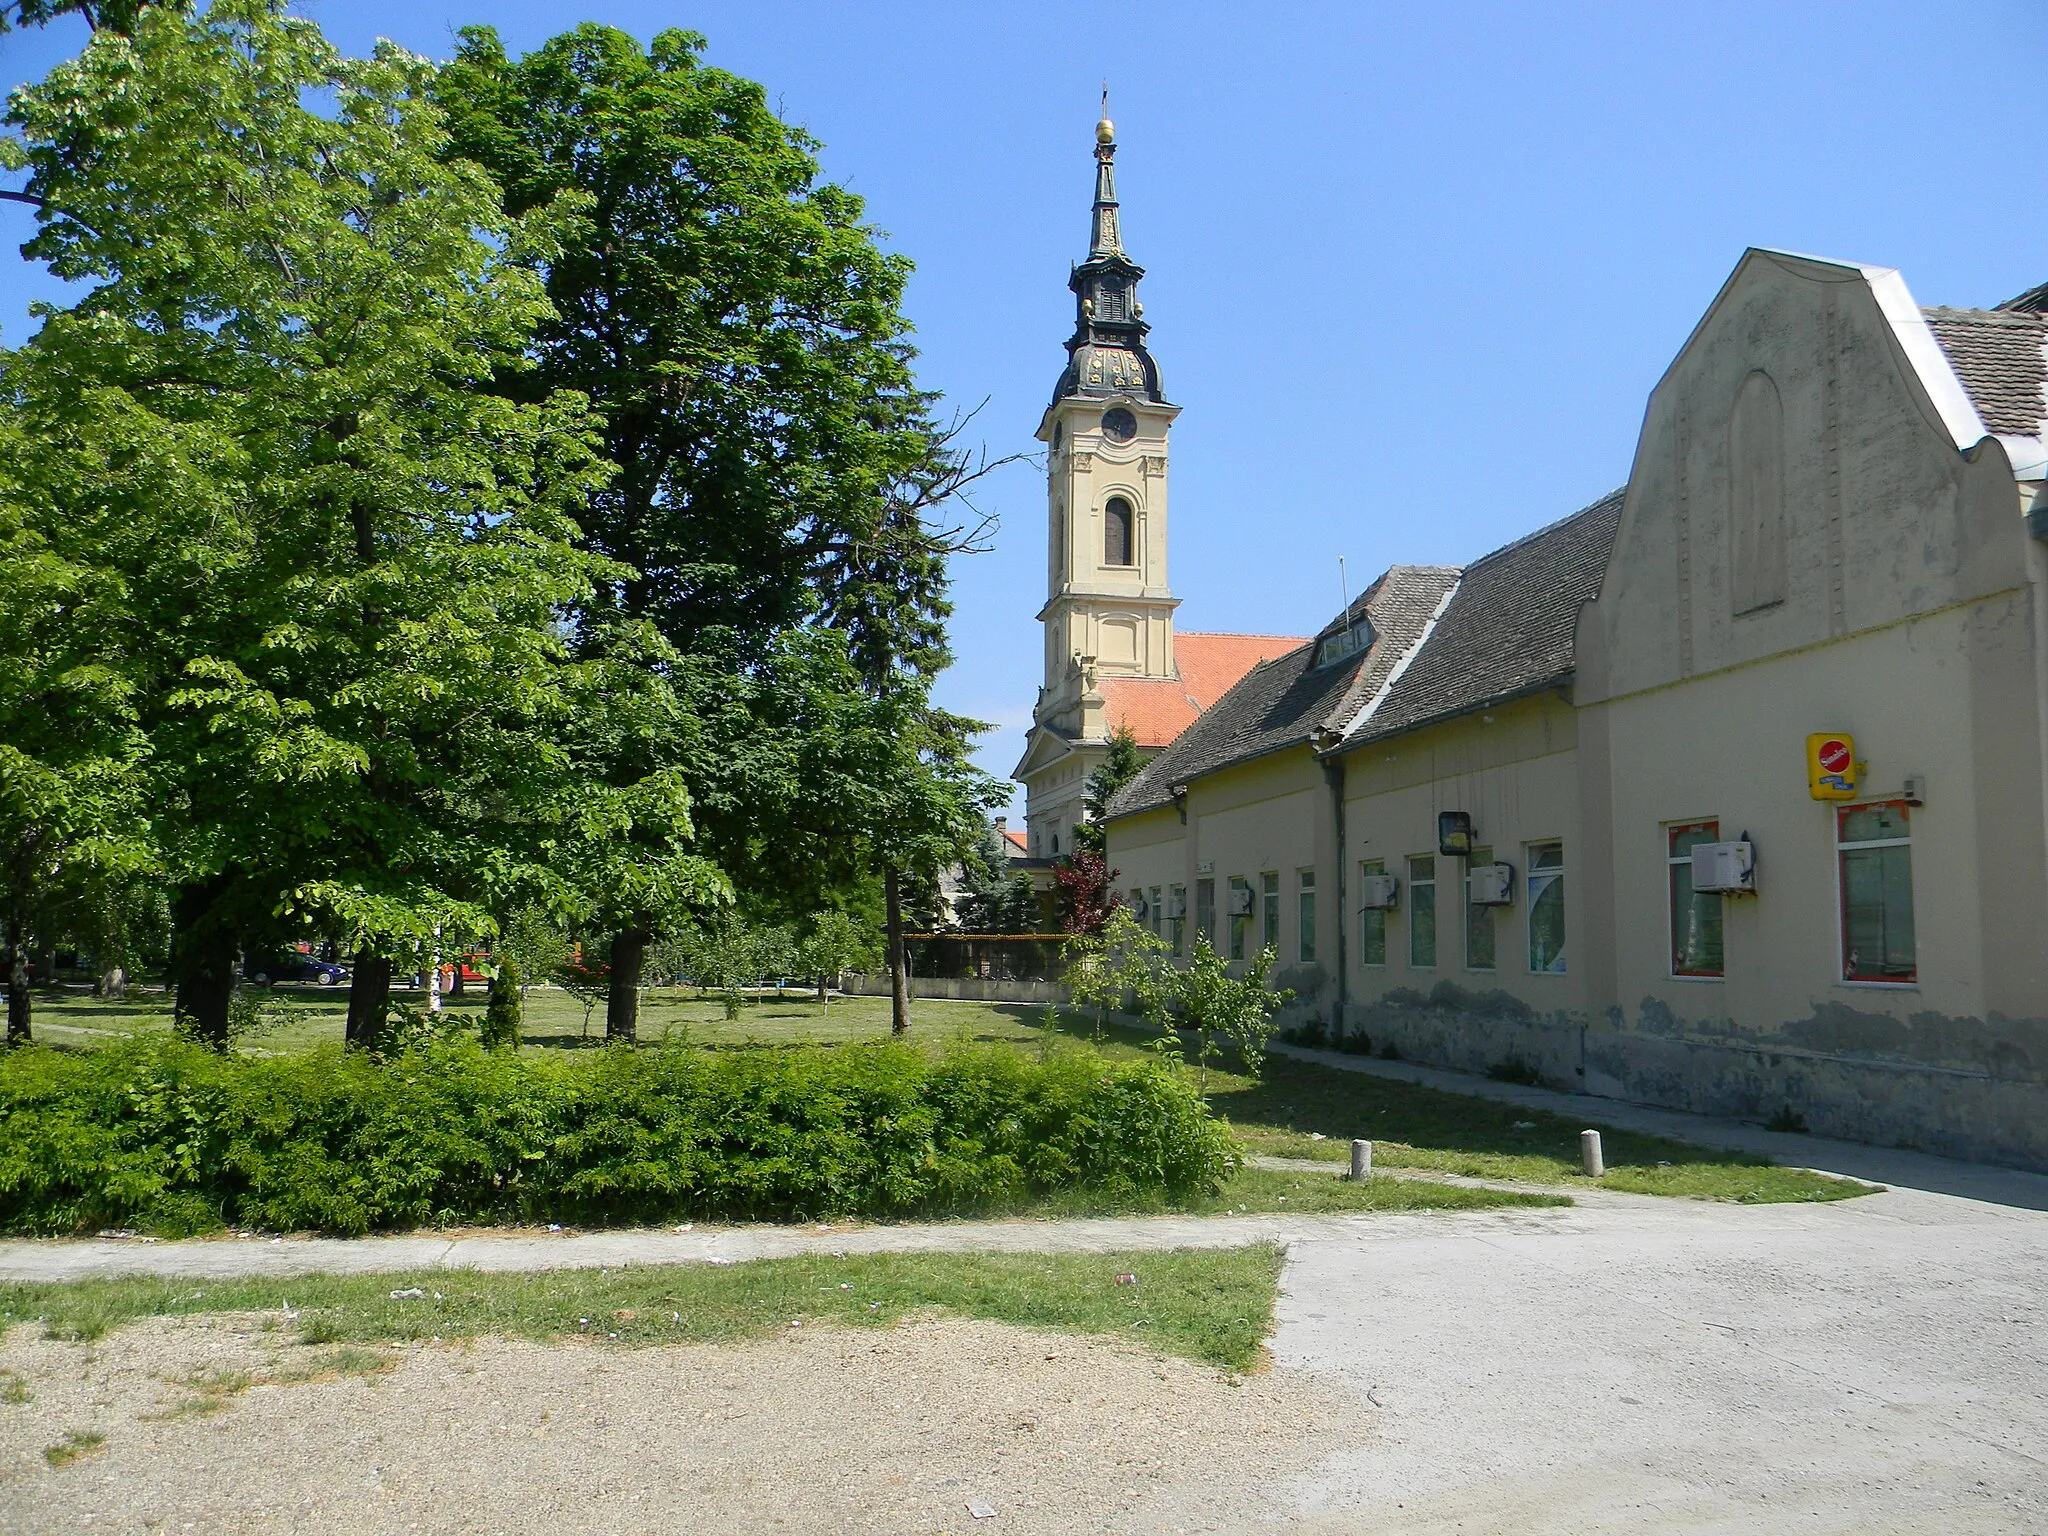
(1493,885)
(1379,893)
(1726,867)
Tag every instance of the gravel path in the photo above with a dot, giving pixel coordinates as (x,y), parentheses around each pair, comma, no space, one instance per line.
(825,1430)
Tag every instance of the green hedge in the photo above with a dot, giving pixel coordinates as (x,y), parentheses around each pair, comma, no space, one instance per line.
(168,1136)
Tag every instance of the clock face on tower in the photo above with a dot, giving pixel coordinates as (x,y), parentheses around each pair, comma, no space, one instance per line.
(1119,425)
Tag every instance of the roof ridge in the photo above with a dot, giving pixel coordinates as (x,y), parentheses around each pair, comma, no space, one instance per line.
(2014,317)
(1231,634)
(1551,527)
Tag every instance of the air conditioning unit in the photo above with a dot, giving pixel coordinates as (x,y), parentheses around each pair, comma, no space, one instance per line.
(1493,885)
(1379,892)
(1724,866)
(1140,908)
(1177,904)
(1241,902)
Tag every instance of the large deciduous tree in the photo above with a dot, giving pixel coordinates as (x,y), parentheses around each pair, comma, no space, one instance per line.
(337,574)
(740,335)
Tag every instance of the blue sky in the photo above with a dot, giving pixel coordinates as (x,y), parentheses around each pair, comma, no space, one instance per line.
(1413,269)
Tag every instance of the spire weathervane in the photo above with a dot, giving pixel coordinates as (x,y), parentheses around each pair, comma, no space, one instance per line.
(1105,238)
(1106,354)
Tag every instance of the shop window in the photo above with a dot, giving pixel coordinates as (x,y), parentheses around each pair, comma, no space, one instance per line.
(1372,922)
(1546,908)
(1422,913)
(1305,916)
(1240,914)
(1874,844)
(1695,915)
(1269,910)
(1479,920)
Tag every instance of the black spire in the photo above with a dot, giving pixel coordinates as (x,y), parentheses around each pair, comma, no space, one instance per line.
(1107,354)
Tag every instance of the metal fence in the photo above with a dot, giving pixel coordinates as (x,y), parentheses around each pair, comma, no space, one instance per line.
(986,956)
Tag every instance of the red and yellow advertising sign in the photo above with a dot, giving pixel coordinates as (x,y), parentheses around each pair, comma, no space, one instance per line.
(1831,765)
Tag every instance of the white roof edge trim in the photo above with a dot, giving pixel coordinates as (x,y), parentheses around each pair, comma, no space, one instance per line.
(2029,456)
(1937,374)
(1401,666)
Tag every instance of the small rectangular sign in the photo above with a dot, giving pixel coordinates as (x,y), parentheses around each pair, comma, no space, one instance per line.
(1831,765)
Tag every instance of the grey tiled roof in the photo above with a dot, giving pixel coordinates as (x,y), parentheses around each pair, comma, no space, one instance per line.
(2035,298)
(1288,700)
(1997,353)
(1508,629)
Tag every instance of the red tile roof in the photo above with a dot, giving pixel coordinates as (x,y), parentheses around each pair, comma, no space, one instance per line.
(1156,710)
(1016,839)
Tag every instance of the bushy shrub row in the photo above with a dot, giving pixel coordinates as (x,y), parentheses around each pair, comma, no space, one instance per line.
(166,1135)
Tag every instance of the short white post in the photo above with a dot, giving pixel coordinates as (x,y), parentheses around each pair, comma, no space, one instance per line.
(1361,1161)
(1589,1154)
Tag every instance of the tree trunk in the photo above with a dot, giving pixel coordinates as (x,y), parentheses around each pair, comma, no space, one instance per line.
(369,1000)
(899,973)
(455,981)
(622,999)
(18,1002)
(202,961)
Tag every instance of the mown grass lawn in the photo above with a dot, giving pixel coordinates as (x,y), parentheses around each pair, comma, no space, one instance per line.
(1298,1109)
(1210,1305)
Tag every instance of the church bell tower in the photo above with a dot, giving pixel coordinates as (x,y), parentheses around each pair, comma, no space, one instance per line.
(1108,611)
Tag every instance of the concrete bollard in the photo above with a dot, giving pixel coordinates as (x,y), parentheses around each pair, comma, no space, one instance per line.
(1361,1161)
(1589,1154)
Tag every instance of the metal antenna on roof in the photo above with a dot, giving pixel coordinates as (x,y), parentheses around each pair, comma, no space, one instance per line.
(1344,585)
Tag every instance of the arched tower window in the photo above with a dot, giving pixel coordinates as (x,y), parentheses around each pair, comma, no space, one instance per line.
(1117,520)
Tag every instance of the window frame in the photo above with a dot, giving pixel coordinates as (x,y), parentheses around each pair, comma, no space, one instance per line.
(1305,916)
(1476,913)
(1536,882)
(1368,918)
(1240,926)
(1129,519)
(1177,896)
(1843,849)
(1416,886)
(1672,830)
(1269,910)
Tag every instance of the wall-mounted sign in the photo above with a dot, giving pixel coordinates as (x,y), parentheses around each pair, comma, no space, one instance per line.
(1831,765)
(1454,834)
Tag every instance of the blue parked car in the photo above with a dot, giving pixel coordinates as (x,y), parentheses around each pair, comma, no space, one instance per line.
(323,973)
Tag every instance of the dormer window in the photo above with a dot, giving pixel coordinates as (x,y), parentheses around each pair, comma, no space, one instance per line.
(1343,645)
(1117,520)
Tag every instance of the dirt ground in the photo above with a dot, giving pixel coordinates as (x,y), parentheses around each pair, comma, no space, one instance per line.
(224,1424)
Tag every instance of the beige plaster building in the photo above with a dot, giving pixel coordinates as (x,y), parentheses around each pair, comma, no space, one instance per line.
(1753,752)
(1112,658)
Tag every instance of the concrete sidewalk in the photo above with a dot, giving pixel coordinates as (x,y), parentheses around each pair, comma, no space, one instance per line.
(1876,1165)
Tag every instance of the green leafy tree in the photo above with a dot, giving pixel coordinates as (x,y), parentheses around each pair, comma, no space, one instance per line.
(504,1004)
(339,566)
(739,333)
(1124,965)
(1118,768)
(724,953)
(100,15)
(1213,1003)
(837,942)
